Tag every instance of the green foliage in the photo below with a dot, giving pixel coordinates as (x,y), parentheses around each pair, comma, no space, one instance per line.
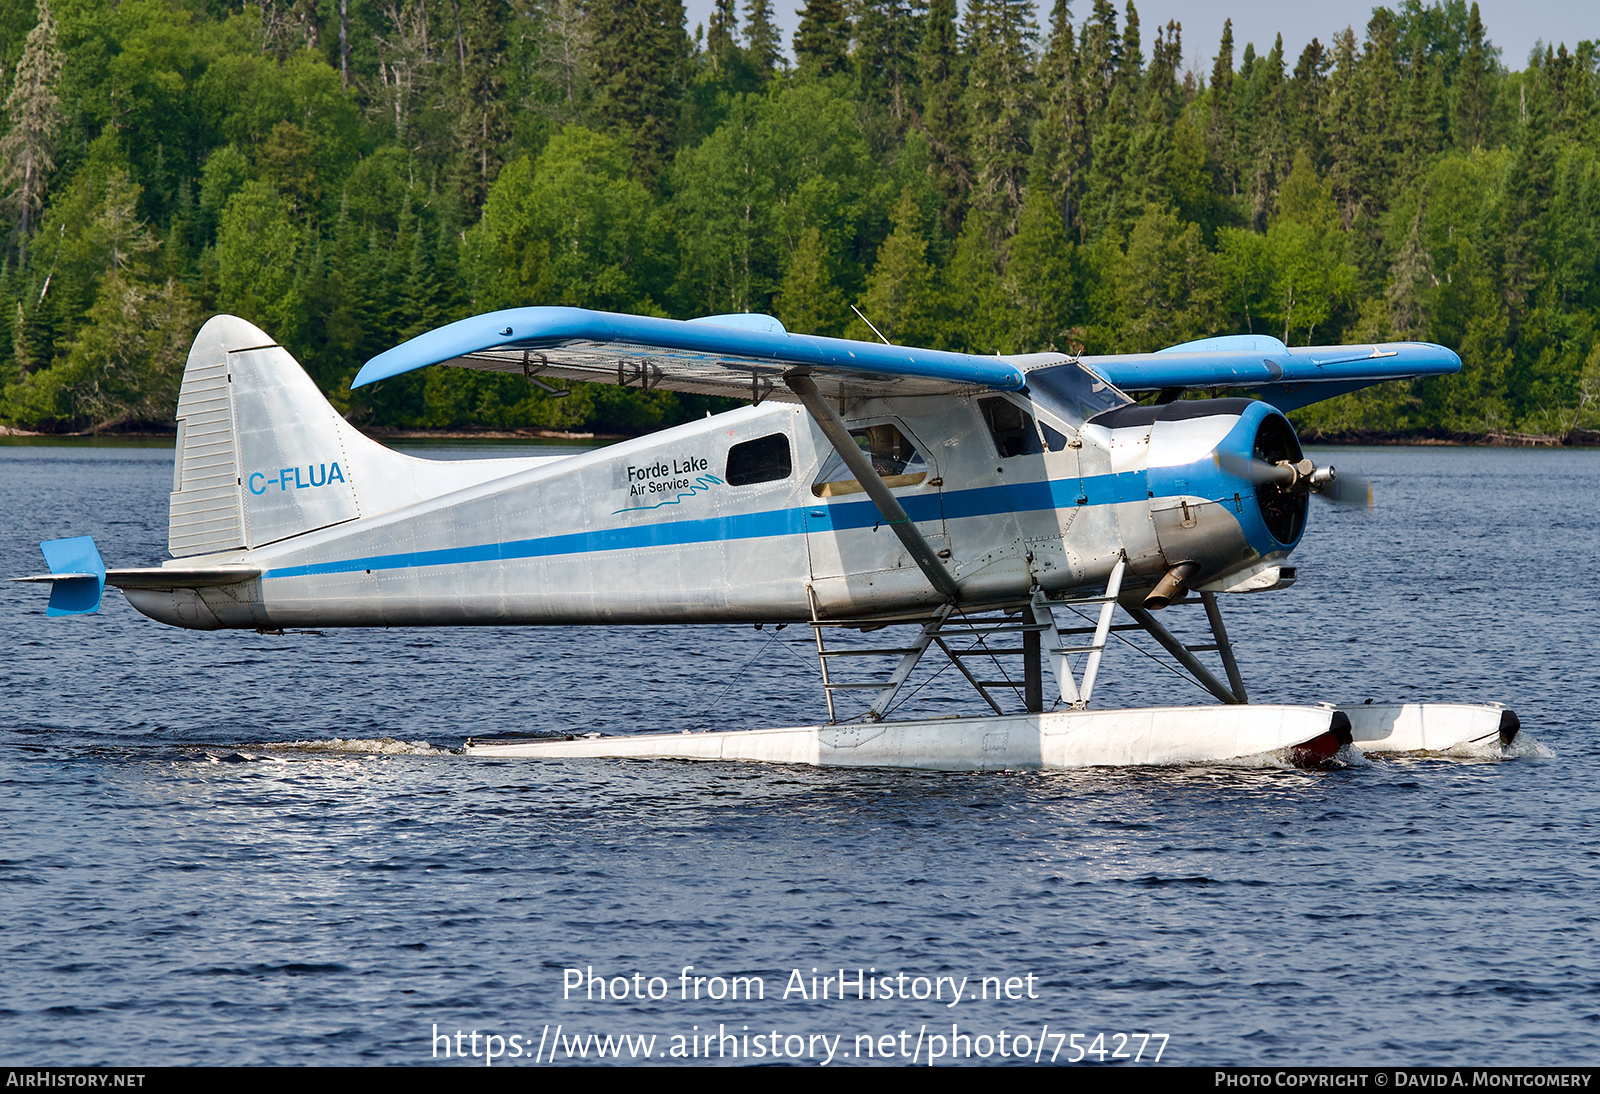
(822,43)
(638,74)
(974,186)
(576,228)
(1041,280)
(1305,250)
(780,166)
(809,302)
(28,149)
(119,360)
(259,249)
(1166,285)
(902,299)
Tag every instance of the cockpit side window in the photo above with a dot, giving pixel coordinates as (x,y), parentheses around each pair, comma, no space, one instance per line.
(1011,427)
(1053,440)
(894,458)
(1073,392)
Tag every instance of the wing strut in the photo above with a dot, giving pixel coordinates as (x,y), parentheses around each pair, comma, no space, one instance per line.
(893,514)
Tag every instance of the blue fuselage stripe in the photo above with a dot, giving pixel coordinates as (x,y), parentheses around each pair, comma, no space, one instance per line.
(822,517)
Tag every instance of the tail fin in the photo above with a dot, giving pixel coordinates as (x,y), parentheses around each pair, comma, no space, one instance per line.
(262,456)
(251,426)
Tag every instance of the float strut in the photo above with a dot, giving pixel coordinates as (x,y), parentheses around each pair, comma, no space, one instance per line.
(1224,647)
(1181,652)
(1032,677)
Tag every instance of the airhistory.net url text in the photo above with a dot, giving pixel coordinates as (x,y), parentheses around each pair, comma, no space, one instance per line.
(924,1045)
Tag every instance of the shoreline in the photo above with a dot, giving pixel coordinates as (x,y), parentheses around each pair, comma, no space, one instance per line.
(1433,437)
(1448,438)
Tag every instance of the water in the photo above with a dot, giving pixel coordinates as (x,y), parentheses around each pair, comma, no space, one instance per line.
(235,849)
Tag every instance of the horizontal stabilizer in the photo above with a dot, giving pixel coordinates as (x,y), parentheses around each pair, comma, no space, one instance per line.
(181,577)
(77,575)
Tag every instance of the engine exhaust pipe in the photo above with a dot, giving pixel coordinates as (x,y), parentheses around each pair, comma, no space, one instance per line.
(1170,587)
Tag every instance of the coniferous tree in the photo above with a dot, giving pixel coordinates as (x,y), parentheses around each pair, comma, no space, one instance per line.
(1039,280)
(1166,287)
(1411,284)
(1058,140)
(1264,113)
(886,34)
(482,125)
(1530,177)
(638,76)
(721,33)
(1130,61)
(1382,112)
(900,298)
(822,41)
(978,317)
(27,151)
(1189,185)
(1000,107)
(942,70)
(1221,133)
(1474,91)
(1099,53)
(761,37)
(1465,195)
(1306,101)
(1426,124)
(1472,317)
(809,301)
(1151,138)
(1345,118)
(1162,95)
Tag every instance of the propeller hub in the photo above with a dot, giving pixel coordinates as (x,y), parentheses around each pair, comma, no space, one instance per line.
(1299,476)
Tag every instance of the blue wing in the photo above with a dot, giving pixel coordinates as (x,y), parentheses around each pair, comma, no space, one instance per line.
(1286,378)
(739,355)
(746,356)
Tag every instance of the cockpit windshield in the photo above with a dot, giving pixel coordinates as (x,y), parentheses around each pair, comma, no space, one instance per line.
(1073,393)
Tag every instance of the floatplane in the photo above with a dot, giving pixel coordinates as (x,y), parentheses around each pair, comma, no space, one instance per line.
(989,511)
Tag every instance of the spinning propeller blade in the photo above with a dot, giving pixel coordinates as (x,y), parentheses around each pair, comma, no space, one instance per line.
(1340,489)
(1347,489)
(1257,470)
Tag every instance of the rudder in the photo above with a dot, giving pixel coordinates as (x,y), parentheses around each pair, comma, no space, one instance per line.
(261,454)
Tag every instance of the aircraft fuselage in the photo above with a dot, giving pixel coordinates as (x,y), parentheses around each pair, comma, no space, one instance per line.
(734,517)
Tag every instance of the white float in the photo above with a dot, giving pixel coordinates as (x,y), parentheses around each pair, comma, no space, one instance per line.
(1022,742)
(1430,727)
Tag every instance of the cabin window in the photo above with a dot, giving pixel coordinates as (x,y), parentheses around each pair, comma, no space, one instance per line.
(1073,393)
(1011,427)
(765,459)
(894,458)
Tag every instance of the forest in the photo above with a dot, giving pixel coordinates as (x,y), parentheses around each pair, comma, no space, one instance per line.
(993,178)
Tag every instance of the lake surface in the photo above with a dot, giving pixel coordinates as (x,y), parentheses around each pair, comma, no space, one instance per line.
(232,848)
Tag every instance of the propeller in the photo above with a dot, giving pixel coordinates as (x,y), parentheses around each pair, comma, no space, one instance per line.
(1347,490)
(1300,477)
